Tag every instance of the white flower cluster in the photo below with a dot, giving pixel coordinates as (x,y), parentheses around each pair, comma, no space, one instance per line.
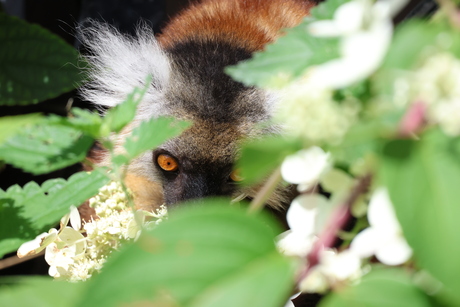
(76,253)
(310,112)
(308,216)
(436,84)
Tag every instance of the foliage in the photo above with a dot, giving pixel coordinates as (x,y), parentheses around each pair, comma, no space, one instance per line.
(394,163)
(34,63)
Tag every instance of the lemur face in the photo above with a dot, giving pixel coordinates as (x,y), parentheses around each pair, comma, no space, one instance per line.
(187,63)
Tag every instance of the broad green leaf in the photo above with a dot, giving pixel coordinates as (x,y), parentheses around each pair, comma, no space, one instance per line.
(87,122)
(260,157)
(326,9)
(379,288)
(423,178)
(34,64)
(10,125)
(149,135)
(38,292)
(26,212)
(286,59)
(45,147)
(209,255)
(119,116)
(416,40)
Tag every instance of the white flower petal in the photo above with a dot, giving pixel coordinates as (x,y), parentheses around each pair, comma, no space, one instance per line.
(324,28)
(340,266)
(336,180)
(293,244)
(305,166)
(366,243)
(394,252)
(302,213)
(32,247)
(381,213)
(75,219)
(315,282)
(349,17)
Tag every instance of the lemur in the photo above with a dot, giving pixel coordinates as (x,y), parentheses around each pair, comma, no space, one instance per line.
(186,62)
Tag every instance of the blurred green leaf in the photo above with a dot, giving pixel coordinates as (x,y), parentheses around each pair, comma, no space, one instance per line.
(38,292)
(208,255)
(118,117)
(260,157)
(10,125)
(423,178)
(379,288)
(286,59)
(326,9)
(149,135)
(45,147)
(26,212)
(34,63)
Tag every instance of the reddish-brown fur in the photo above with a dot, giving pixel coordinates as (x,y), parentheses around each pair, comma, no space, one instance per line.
(249,24)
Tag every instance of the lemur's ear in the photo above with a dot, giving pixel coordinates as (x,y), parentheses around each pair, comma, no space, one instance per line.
(118,63)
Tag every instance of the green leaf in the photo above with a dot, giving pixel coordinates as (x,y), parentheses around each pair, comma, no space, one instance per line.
(286,59)
(85,121)
(326,9)
(26,212)
(10,125)
(34,64)
(209,255)
(45,147)
(119,116)
(379,288)
(38,292)
(423,178)
(260,157)
(149,135)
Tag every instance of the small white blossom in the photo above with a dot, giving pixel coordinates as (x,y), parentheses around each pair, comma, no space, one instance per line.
(306,217)
(384,237)
(333,268)
(310,112)
(365,30)
(305,167)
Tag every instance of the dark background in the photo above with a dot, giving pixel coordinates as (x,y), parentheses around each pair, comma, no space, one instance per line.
(61,17)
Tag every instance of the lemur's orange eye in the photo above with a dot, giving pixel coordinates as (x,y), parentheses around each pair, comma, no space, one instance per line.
(235,175)
(167,163)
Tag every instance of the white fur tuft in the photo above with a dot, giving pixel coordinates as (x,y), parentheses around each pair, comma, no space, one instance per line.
(118,63)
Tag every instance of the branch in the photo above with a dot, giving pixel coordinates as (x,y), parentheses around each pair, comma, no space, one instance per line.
(13,260)
(259,201)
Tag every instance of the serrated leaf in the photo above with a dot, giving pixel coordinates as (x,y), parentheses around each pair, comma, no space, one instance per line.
(260,157)
(379,288)
(423,179)
(326,9)
(87,122)
(26,212)
(10,125)
(119,116)
(38,292)
(149,135)
(224,258)
(286,59)
(34,63)
(43,148)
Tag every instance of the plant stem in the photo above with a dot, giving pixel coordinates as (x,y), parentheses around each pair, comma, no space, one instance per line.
(267,189)
(13,260)
(339,218)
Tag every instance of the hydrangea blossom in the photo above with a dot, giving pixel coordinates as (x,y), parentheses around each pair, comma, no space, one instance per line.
(384,237)
(436,84)
(310,112)
(74,256)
